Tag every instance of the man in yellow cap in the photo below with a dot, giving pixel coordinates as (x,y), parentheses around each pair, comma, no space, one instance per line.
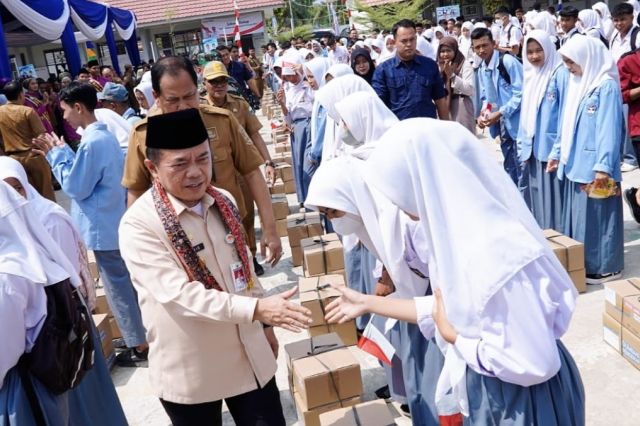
(174,84)
(216,78)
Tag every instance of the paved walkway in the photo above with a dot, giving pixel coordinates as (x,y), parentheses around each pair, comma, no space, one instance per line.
(612,385)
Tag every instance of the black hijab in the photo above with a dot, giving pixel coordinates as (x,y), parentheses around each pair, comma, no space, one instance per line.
(357,52)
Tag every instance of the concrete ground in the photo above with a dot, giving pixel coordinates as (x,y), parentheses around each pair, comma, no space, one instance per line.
(612,385)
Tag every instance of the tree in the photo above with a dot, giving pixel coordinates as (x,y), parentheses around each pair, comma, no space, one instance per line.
(385,15)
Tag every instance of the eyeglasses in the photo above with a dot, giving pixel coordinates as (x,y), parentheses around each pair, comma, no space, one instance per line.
(218,81)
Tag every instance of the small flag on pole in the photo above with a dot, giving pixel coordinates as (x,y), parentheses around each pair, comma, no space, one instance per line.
(236,28)
(375,343)
(91,54)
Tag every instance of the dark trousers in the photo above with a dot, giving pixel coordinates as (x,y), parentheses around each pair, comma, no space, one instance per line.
(260,407)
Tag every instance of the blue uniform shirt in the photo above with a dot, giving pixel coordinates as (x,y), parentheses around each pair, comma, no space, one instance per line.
(509,95)
(241,74)
(409,89)
(91,178)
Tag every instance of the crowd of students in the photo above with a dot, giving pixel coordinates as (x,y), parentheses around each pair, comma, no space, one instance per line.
(384,135)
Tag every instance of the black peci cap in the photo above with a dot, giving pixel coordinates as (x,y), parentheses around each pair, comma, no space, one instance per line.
(176,130)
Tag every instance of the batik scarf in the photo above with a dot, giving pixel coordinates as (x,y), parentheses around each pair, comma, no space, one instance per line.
(194,266)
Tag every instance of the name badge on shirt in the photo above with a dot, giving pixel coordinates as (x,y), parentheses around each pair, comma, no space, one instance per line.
(198,247)
(591,109)
(213,133)
(551,96)
(239,280)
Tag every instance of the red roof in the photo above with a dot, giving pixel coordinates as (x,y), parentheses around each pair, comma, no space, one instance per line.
(151,11)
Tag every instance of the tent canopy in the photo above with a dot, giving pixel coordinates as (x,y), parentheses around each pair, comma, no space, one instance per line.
(29,22)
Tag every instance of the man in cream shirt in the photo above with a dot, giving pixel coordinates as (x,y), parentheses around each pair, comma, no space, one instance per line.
(209,330)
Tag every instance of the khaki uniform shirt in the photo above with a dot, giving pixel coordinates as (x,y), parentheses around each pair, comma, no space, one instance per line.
(241,111)
(203,344)
(232,152)
(18,125)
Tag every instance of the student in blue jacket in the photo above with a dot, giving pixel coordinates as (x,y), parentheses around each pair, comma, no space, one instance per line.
(499,85)
(587,155)
(545,81)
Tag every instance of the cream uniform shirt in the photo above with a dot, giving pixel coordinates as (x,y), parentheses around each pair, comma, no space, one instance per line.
(203,344)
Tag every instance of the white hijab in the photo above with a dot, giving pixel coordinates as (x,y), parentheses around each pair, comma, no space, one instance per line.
(424,48)
(26,249)
(318,67)
(44,211)
(339,88)
(366,116)
(377,222)
(536,80)
(337,70)
(597,67)
(590,21)
(116,125)
(464,43)
(146,89)
(605,16)
(545,22)
(386,53)
(479,231)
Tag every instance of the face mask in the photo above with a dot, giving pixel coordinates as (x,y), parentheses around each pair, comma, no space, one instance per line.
(348,138)
(346,224)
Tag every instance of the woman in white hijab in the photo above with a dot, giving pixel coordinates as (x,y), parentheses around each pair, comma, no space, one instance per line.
(502,300)
(144,94)
(389,49)
(31,260)
(605,16)
(56,221)
(315,71)
(464,41)
(592,25)
(546,22)
(337,70)
(587,157)
(425,49)
(543,94)
(387,233)
(334,91)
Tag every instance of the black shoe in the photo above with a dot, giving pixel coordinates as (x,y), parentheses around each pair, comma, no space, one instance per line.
(630,198)
(405,410)
(595,279)
(258,268)
(131,357)
(383,393)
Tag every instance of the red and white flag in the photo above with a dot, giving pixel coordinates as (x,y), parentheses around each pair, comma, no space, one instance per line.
(374,342)
(236,28)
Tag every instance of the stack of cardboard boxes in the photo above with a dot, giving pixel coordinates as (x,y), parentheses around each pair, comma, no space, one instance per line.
(102,308)
(372,413)
(323,376)
(570,253)
(301,226)
(621,318)
(322,254)
(280,212)
(284,172)
(315,294)
(106,340)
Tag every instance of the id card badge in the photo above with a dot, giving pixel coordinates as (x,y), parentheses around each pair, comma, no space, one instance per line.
(239,280)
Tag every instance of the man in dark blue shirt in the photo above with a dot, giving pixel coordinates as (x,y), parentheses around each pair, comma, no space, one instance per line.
(241,73)
(410,84)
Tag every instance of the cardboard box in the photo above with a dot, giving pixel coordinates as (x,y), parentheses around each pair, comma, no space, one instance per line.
(312,417)
(296,256)
(575,252)
(631,347)
(284,157)
(614,294)
(316,293)
(102,306)
(284,171)
(631,314)
(549,233)
(323,371)
(611,332)
(289,187)
(104,331)
(280,207)
(115,330)
(281,227)
(303,225)
(326,378)
(372,413)
(560,252)
(347,331)
(322,255)
(579,279)
(277,187)
(283,147)
(93,266)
